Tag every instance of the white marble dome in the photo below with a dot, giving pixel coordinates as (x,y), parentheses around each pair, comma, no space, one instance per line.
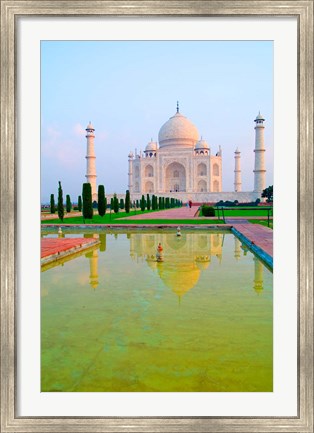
(151,146)
(259,116)
(178,131)
(201,144)
(90,126)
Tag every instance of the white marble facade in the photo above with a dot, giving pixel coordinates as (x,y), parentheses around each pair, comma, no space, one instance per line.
(179,163)
(183,165)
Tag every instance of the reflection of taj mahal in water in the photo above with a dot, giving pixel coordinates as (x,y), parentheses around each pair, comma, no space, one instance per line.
(185,258)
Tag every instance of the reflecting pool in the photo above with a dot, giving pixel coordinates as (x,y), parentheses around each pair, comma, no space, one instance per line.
(115,319)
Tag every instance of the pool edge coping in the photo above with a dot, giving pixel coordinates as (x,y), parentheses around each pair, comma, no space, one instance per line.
(266,258)
(63,254)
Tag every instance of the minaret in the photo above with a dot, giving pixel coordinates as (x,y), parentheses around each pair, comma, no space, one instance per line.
(91,160)
(130,173)
(259,169)
(237,171)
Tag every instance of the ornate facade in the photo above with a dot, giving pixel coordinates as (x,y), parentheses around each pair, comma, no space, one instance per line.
(180,163)
(183,166)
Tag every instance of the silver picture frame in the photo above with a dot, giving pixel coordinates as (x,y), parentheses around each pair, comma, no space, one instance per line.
(10,11)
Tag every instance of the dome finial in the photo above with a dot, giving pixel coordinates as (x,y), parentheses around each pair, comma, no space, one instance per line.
(177,106)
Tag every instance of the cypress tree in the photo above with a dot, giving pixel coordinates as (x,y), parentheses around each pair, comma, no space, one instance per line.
(137,204)
(153,202)
(79,203)
(115,203)
(167,203)
(111,203)
(101,200)
(142,204)
(68,203)
(52,204)
(87,201)
(60,202)
(127,201)
(160,202)
(148,202)
(121,203)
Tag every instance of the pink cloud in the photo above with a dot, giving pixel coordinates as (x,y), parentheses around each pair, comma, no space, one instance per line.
(63,151)
(78,130)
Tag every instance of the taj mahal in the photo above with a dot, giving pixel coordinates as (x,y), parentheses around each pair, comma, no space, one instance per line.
(182,165)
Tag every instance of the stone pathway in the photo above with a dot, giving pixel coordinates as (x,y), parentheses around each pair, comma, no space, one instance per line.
(175,213)
(257,237)
(55,248)
(236,221)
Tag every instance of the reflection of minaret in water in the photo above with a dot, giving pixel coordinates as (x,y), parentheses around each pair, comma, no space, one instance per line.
(258,275)
(237,248)
(93,265)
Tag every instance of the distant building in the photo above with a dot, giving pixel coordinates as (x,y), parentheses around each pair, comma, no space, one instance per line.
(183,165)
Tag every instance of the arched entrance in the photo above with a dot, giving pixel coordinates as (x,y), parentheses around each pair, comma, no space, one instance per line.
(175,178)
(149,187)
(202,186)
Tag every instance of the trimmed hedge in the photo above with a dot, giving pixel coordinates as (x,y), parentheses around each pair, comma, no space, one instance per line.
(208,211)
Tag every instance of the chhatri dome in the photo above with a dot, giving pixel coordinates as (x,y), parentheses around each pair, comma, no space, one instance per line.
(152,145)
(178,131)
(202,144)
(259,116)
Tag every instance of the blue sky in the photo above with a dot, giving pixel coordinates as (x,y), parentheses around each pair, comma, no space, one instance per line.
(129,89)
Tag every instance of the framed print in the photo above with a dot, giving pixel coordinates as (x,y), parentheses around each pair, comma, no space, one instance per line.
(123,61)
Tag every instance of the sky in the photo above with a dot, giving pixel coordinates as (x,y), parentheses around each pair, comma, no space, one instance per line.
(129,89)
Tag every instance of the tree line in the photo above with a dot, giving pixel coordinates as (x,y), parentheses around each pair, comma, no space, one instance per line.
(85,202)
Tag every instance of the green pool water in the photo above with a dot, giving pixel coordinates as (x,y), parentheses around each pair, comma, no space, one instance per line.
(113,319)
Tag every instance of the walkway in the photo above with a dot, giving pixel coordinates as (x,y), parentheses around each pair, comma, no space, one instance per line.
(258,238)
(56,248)
(236,220)
(175,213)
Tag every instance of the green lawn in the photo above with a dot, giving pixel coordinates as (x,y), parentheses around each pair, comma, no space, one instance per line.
(253,211)
(116,219)
(106,219)
(262,222)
